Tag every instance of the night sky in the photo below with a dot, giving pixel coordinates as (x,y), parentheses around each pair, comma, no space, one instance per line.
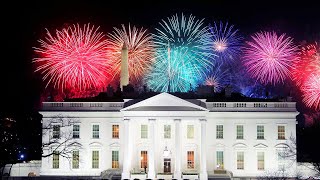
(24,24)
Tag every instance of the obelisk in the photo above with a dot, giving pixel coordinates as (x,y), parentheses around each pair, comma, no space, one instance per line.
(124,72)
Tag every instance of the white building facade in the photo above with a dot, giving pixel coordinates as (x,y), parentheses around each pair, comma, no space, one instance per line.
(170,137)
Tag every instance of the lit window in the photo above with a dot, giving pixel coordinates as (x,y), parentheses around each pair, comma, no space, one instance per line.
(115,159)
(220,164)
(115,131)
(190,131)
(167,131)
(260,160)
(219,132)
(190,160)
(75,159)
(281,132)
(260,132)
(56,131)
(144,131)
(55,160)
(144,159)
(239,131)
(95,159)
(76,131)
(95,131)
(240,160)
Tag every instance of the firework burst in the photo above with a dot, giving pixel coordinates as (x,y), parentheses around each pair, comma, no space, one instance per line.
(311,91)
(218,79)
(183,54)
(269,57)
(226,41)
(308,63)
(75,58)
(171,73)
(188,33)
(140,50)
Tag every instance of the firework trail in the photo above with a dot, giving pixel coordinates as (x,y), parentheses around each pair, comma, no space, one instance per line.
(269,57)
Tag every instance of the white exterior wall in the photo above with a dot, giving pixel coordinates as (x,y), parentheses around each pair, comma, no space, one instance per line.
(269,117)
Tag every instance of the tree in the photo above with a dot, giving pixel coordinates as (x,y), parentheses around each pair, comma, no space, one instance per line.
(59,137)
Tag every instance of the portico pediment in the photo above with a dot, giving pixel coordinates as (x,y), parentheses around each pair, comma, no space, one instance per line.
(164,102)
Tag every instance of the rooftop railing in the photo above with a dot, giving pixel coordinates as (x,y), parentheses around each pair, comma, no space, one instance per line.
(82,106)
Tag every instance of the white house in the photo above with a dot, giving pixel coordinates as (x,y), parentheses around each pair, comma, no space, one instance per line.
(173,137)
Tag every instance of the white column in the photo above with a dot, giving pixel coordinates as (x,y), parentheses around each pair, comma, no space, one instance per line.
(151,161)
(177,163)
(127,155)
(203,159)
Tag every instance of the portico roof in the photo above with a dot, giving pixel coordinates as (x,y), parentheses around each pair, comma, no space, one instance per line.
(164,102)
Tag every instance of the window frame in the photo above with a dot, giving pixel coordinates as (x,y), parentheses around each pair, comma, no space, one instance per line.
(74,133)
(144,131)
(190,160)
(95,159)
(143,159)
(95,133)
(190,131)
(219,131)
(280,137)
(56,134)
(55,160)
(261,161)
(75,159)
(115,134)
(167,131)
(239,134)
(260,134)
(115,159)
(240,160)
(221,158)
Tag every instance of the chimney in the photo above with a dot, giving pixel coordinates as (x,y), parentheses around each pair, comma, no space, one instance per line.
(124,73)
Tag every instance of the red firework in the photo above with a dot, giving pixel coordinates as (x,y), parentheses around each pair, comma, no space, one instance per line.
(311,91)
(307,64)
(74,59)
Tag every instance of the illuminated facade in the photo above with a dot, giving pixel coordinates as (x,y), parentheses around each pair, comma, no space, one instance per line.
(170,137)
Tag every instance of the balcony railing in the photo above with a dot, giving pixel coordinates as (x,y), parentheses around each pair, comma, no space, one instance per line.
(82,106)
(251,106)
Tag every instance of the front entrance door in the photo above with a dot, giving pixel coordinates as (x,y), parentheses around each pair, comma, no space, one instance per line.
(167,165)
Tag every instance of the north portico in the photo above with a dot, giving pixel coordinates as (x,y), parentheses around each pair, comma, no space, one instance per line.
(176,113)
(170,138)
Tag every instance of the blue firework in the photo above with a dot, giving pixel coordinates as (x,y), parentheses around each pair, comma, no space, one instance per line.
(184,54)
(225,41)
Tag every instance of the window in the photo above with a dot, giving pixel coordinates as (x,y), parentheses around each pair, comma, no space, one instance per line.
(95,131)
(260,160)
(219,131)
(240,160)
(55,160)
(281,159)
(144,131)
(281,132)
(115,159)
(56,131)
(260,132)
(76,131)
(190,160)
(167,131)
(220,160)
(75,159)
(95,159)
(115,131)
(190,131)
(144,159)
(239,131)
